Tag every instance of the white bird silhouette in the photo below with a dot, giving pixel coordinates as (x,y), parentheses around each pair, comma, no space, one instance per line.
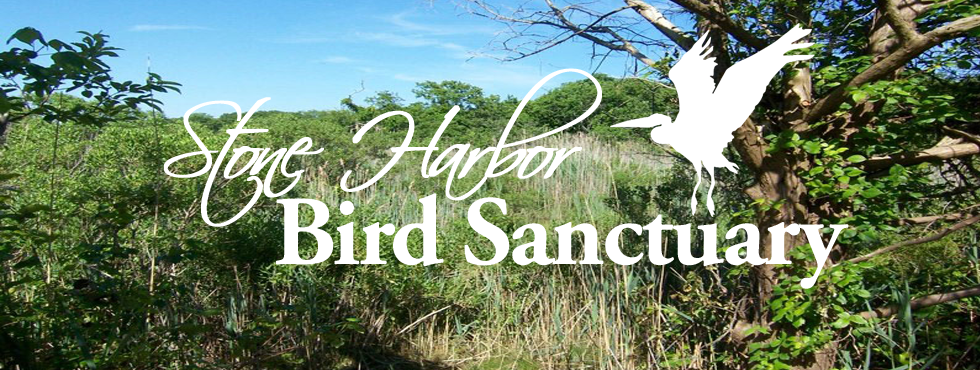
(708,114)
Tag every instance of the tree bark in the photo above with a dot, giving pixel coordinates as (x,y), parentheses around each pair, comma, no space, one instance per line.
(4,126)
(666,27)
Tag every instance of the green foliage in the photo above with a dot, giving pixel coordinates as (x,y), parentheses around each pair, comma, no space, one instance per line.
(107,263)
(622,99)
(446,94)
(804,321)
(34,72)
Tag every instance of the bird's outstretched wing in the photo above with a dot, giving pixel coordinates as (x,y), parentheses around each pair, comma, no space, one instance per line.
(692,78)
(744,83)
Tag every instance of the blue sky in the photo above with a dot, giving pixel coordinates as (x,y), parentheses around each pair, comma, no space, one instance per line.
(303,54)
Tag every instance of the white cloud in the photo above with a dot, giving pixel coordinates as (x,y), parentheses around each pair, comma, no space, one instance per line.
(396,39)
(165,27)
(414,41)
(401,21)
(412,34)
(409,78)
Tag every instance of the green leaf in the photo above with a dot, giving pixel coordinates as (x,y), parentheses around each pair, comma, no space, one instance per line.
(27,35)
(68,59)
(799,322)
(857,158)
(871,193)
(859,96)
(811,147)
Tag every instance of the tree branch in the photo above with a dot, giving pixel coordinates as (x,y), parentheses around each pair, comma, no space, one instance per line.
(626,45)
(909,50)
(925,239)
(919,220)
(923,302)
(928,219)
(657,19)
(904,28)
(963,134)
(723,21)
(954,28)
(602,29)
(938,153)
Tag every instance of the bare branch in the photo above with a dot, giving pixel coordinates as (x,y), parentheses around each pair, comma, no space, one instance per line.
(920,220)
(723,21)
(625,45)
(608,30)
(963,134)
(925,239)
(929,219)
(923,302)
(938,153)
(657,19)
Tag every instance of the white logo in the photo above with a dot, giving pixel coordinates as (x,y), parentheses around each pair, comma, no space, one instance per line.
(708,114)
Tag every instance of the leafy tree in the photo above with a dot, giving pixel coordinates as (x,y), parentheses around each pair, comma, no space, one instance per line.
(450,93)
(36,76)
(385,101)
(630,97)
(859,135)
(34,73)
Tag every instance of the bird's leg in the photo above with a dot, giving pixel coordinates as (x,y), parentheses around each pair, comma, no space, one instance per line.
(694,194)
(711,188)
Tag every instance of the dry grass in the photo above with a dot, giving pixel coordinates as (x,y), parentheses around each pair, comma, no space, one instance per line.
(585,317)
